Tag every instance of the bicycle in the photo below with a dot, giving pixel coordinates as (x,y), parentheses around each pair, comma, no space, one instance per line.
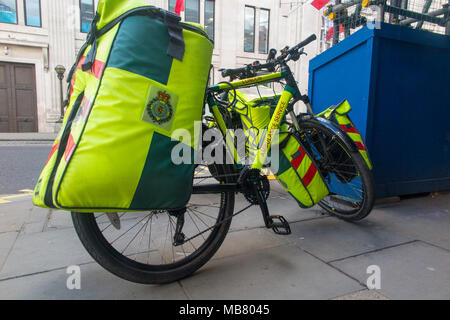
(172,245)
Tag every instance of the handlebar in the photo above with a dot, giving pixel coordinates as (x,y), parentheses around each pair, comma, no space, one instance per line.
(287,54)
(248,70)
(304,43)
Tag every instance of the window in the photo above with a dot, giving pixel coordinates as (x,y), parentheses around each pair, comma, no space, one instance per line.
(8,11)
(33,13)
(87,14)
(192,13)
(172,4)
(264,19)
(209,17)
(249,29)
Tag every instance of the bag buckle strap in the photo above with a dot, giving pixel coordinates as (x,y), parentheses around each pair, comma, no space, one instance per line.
(91,39)
(176,45)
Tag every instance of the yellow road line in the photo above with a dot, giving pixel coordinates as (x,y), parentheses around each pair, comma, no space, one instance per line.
(26,193)
(18,196)
(269,174)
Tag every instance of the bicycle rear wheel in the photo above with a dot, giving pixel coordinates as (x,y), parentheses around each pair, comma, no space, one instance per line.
(139,247)
(345,172)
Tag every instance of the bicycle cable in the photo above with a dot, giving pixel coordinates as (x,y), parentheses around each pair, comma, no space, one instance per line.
(226,104)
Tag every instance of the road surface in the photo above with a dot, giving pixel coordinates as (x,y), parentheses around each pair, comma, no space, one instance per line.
(20,165)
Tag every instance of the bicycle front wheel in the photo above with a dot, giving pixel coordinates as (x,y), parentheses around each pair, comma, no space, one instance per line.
(345,172)
(140,247)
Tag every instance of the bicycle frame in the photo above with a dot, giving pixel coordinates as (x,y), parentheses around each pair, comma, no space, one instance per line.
(249,182)
(289,96)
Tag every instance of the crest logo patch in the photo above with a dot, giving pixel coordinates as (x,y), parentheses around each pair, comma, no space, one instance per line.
(160,107)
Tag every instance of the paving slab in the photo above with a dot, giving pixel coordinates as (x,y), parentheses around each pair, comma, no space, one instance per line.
(44,251)
(60,220)
(279,203)
(277,273)
(37,220)
(411,271)
(425,218)
(13,215)
(363,295)
(331,238)
(96,283)
(7,240)
(241,242)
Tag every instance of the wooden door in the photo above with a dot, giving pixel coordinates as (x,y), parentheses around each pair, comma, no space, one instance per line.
(18,107)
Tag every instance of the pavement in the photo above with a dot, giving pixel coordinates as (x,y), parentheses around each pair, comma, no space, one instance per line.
(323,258)
(28,137)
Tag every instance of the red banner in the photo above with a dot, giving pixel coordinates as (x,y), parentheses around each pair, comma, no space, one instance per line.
(330,32)
(179,7)
(319,4)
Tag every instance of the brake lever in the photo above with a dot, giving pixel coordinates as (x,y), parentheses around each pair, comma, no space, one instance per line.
(296,56)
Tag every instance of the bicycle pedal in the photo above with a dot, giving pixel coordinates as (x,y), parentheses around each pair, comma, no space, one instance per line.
(280,227)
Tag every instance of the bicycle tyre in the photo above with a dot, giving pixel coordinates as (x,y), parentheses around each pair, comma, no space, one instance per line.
(122,266)
(363,209)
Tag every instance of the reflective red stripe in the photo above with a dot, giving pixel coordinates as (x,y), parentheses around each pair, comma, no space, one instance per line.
(361,146)
(349,130)
(310,174)
(86,107)
(55,147)
(80,63)
(297,161)
(97,70)
(312,170)
(69,148)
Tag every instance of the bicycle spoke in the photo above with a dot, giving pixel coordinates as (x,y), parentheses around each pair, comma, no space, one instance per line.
(127,230)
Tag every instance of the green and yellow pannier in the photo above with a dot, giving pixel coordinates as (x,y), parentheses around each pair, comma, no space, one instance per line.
(141,75)
(339,115)
(255,106)
(299,175)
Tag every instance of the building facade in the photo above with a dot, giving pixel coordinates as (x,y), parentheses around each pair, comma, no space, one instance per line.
(38,35)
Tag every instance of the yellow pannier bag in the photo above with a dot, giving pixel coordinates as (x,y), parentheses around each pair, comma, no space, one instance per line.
(299,175)
(140,76)
(339,115)
(255,106)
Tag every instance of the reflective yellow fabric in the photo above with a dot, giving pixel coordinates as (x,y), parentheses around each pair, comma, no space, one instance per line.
(85,84)
(304,183)
(340,115)
(116,172)
(111,9)
(105,158)
(190,88)
(255,106)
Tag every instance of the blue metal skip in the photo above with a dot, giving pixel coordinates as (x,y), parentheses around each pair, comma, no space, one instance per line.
(397,81)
